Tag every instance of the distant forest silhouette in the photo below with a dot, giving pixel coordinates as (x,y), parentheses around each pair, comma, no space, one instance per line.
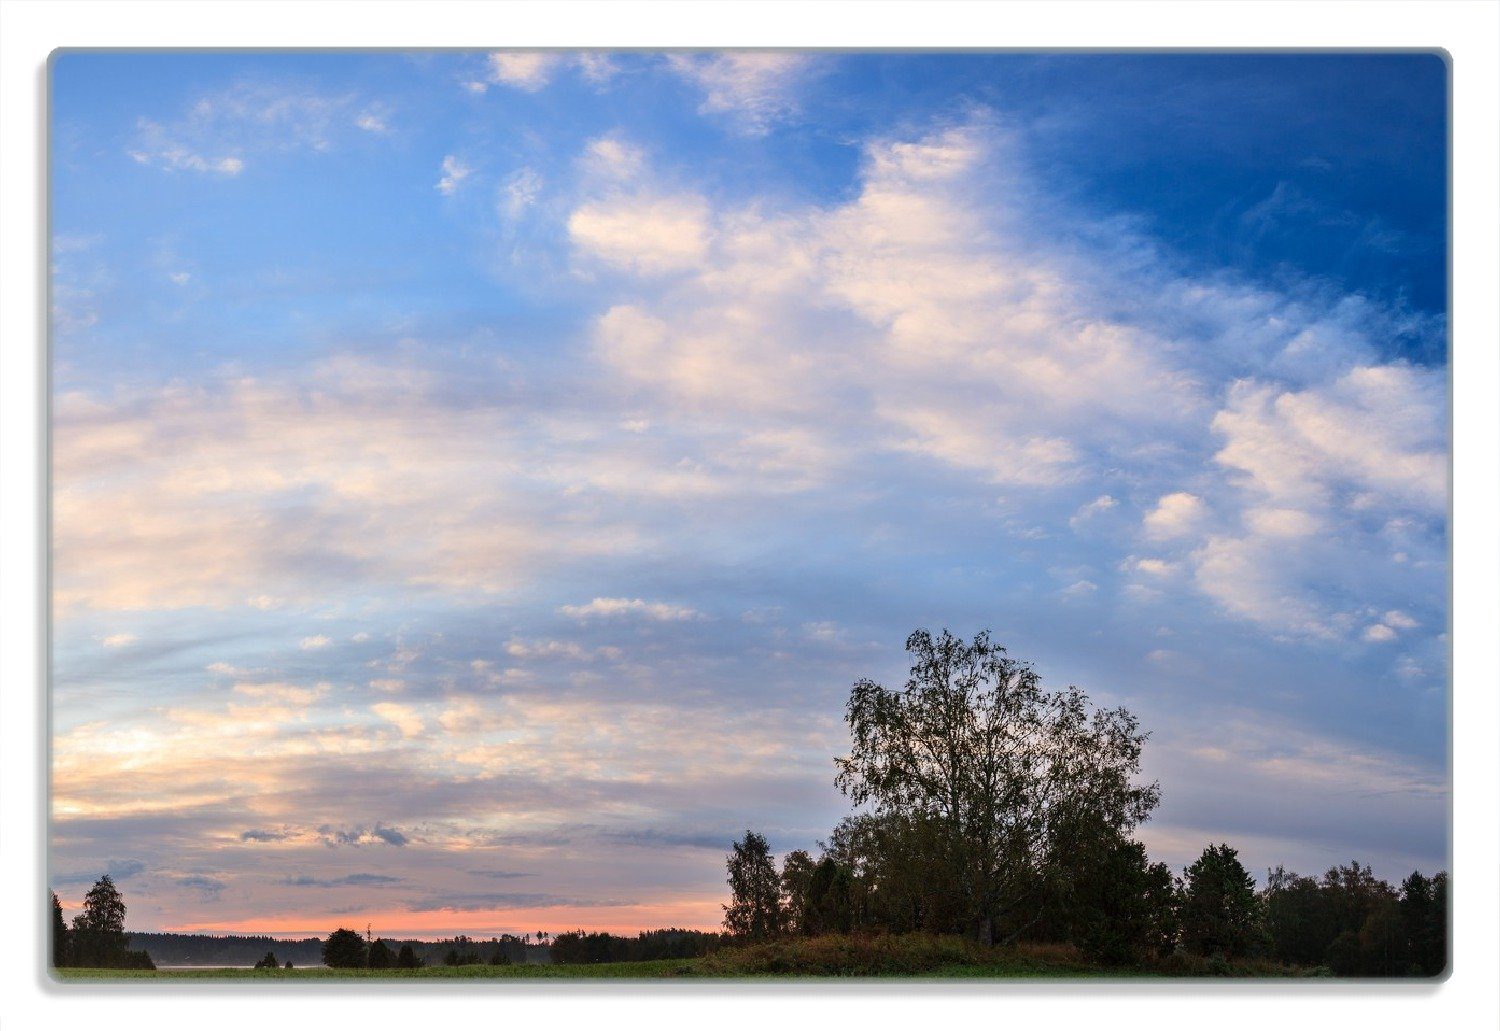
(988,812)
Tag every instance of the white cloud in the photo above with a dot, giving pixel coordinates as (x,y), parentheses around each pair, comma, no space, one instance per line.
(454,172)
(650,235)
(1375,428)
(118,640)
(754,88)
(180,278)
(533,70)
(612,158)
(1400,619)
(519,192)
(597,68)
(403,717)
(631,606)
(314,643)
(1103,503)
(1154,566)
(527,70)
(220,130)
(1079,589)
(371,121)
(1379,632)
(1175,515)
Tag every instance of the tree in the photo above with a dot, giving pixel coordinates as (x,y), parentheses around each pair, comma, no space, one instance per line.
(379,957)
(829,905)
(98,937)
(60,943)
(407,959)
(1298,918)
(754,911)
(267,962)
(1220,910)
(345,948)
(1121,905)
(796,874)
(975,750)
(1424,920)
(500,958)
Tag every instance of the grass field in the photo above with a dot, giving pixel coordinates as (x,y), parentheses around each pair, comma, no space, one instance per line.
(833,957)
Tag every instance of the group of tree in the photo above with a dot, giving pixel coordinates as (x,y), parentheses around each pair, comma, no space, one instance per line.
(601,947)
(225,950)
(97,937)
(349,949)
(991,808)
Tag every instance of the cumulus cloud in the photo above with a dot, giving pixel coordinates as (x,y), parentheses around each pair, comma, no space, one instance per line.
(527,70)
(652,235)
(1175,515)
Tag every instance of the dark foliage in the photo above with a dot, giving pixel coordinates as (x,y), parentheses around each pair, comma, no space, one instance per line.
(224,950)
(754,909)
(98,937)
(598,947)
(267,962)
(345,948)
(985,773)
(407,959)
(1358,925)
(1219,908)
(380,956)
(61,945)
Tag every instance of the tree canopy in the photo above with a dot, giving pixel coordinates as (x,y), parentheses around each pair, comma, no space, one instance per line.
(345,948)
(754,910)
(994,770)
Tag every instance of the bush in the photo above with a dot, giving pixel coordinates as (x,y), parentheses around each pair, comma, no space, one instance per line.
(842,955)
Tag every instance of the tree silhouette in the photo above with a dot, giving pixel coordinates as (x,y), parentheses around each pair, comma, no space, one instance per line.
(60,943)
(973,749)
(99,931)
(1220,910)
(344,948)
(379,957)
(796,874)
(754,911)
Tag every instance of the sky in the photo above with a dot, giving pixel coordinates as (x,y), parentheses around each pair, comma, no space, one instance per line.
(478,478)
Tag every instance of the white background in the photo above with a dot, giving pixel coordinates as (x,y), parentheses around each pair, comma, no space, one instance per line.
(1469,31)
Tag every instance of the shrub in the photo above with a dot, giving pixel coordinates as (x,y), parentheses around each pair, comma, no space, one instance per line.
(842,955)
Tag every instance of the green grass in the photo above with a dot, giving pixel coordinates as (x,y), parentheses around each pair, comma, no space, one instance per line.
(834,956)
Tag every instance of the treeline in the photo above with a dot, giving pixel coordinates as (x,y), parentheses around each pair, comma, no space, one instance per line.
(346,948)
(995,810)
(600,947)
(1348,921)
(97,937)
(211,950)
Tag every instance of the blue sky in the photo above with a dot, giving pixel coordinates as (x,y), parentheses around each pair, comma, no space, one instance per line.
(478,478)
